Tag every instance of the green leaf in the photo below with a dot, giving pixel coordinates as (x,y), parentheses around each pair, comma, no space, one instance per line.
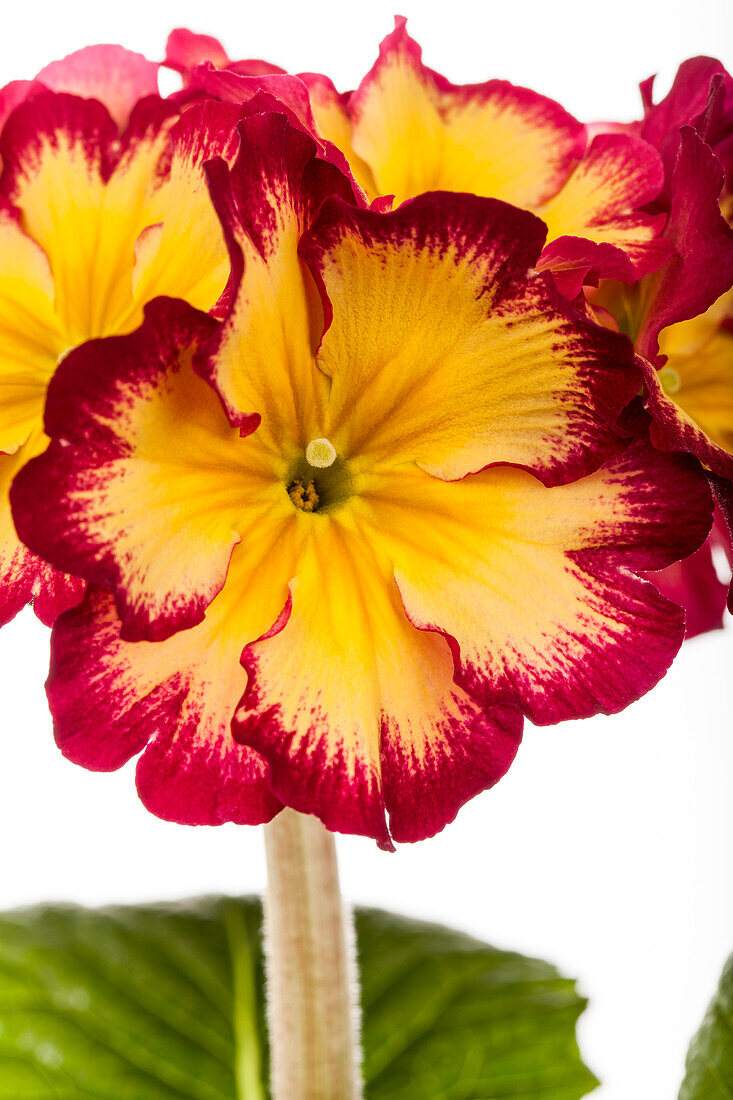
(709,1071)
(165,1002)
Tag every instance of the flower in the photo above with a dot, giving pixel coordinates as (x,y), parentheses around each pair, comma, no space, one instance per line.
(407,130)
(92,225)
(366,522)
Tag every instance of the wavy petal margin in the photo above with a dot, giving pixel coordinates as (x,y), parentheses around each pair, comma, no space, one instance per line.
(535,585)
(110,699)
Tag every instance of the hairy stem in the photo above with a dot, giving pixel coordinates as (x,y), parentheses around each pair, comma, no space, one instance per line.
(311,966)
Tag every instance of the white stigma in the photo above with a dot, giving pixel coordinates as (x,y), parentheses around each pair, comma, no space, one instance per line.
(320,453)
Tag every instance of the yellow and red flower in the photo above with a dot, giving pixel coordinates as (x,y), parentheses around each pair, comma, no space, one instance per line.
(94,222)
(367,522)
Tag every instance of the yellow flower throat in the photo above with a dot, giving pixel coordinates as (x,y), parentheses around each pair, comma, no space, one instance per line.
(308,488)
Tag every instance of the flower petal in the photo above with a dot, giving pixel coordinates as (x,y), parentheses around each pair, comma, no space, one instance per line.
(418,132)
(185,50)
(23,575)
(84,197)
(324,744)
(110,698)
(117,77)
(30,336)
(460,356)
(602,202)
(146,492)
(184,253)
(723,532)
(534,583)
(701,96)
(14,93)
(695,412)
(263,367)
(701,268)
(694,584)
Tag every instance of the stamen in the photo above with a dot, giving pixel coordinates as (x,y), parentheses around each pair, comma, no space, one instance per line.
(669,380)
(303,495)
(320,453)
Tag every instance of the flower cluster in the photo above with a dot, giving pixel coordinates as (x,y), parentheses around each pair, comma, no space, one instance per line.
(340,433)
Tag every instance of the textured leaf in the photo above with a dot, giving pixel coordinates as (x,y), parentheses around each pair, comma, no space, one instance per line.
(709,1074)
(165,1002)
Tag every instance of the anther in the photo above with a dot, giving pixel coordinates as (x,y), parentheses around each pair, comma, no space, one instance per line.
(303,495)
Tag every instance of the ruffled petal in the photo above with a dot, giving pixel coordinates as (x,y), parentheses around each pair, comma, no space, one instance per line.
(534,584)
(403,738)
(148,490)
(459,355)
(110,698)
(117,77)
(418,132)
(263,366)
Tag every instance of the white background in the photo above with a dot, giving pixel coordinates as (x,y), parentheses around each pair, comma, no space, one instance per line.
(607,849)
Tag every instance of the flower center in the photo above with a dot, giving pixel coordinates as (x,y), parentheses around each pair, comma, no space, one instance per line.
(319,480)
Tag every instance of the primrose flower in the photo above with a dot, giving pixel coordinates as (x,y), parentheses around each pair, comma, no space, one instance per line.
(365,524)
(93,223)
(407,130)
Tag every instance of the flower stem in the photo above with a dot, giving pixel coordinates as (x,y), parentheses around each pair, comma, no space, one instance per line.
(311,966)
